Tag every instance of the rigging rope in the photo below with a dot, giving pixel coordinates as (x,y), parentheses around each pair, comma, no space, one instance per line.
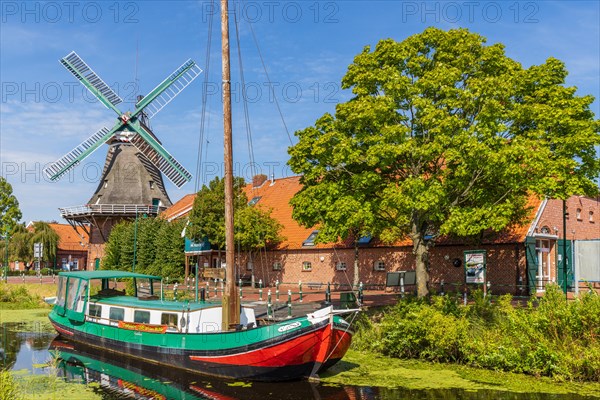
(204,100)
(287,131)
(244,98)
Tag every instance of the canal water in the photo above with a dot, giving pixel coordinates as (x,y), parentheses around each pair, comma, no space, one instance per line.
(30,346)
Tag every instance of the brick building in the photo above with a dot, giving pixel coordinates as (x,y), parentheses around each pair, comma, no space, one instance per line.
(71,252)
(519,261)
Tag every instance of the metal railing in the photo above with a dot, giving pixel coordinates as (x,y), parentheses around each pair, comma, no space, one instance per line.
(110,209)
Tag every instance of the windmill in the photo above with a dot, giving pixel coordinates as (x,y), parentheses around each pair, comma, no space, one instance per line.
(131,182)
(128,127)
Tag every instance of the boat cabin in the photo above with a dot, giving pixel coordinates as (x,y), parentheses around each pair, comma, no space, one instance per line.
(106,304)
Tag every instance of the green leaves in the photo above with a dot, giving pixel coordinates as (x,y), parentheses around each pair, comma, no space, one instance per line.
(10,213)
(157,244)
(254,226)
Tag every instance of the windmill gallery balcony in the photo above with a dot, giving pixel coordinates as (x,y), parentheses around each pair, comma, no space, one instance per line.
(110,210)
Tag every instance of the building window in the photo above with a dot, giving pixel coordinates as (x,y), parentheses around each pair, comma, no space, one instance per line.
(310,240)
(105,183)
(545,230)
(142,317)
(306,266)
(151,183)
(249,266)
(169,319)
(254,200)
(379,265)
(591,216)
(341,266)
(277,266)
(365,239)
(95,310)
(579,214)
(116,313)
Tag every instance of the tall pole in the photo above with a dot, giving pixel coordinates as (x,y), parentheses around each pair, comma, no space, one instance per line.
(564,255)
(231,314)
(6,259)
(134,240)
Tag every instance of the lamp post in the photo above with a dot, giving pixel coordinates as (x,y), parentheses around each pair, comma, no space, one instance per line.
(564,255)
(6,238)
(135,240)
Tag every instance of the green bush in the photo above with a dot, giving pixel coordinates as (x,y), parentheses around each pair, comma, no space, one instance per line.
(548,337)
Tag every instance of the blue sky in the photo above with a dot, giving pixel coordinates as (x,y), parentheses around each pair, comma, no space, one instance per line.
(306,46)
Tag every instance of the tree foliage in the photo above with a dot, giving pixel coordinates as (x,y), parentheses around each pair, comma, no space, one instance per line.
(156,243)
(44,234)
(444,135)
(254,226)
(10,214)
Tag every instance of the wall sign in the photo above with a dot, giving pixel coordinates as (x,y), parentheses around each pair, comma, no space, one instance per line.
(475,266)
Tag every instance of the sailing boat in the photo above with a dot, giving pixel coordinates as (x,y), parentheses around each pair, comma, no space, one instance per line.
(220,339)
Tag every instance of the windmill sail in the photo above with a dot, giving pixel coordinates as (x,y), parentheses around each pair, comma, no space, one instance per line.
(168,89)
(91,80)
(78,154)
(161,158)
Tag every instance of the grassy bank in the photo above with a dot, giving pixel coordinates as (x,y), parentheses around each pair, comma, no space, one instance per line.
(25,296)
(550,337)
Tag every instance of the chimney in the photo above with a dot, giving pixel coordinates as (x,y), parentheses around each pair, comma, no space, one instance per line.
(272,179)
(258,180)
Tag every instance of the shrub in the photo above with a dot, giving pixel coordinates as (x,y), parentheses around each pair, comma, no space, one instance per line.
(548,337)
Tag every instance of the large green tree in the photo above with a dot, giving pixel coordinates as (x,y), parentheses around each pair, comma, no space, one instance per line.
(444,135)
(254,226)
(155,243)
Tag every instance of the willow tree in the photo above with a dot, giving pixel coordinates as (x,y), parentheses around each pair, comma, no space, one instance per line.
(444,135)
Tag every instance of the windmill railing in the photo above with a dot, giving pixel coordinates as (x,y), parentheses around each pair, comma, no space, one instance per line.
(111,209)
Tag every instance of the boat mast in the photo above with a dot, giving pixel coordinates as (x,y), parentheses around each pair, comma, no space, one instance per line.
(230,306)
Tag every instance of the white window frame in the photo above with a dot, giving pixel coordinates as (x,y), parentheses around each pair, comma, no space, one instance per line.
(340,266)
(306,266)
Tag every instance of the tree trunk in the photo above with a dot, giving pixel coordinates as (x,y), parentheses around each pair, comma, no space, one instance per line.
(356,270)
(421,252)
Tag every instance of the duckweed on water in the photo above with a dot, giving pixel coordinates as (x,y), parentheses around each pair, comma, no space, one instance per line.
(369,369)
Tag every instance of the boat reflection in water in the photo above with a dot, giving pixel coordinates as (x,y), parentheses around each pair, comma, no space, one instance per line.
(122,377)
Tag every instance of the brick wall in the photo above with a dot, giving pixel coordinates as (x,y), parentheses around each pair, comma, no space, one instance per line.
(583,220)
(505,264)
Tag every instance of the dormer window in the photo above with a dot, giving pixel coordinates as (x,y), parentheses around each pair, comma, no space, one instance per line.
(254,200)
(365,239)
(310,240)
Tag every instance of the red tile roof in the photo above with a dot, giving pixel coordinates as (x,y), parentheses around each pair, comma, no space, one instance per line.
(180,209)
(69,239)
(276,196)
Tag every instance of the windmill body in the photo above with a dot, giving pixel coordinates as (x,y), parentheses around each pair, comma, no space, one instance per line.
(131,184)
